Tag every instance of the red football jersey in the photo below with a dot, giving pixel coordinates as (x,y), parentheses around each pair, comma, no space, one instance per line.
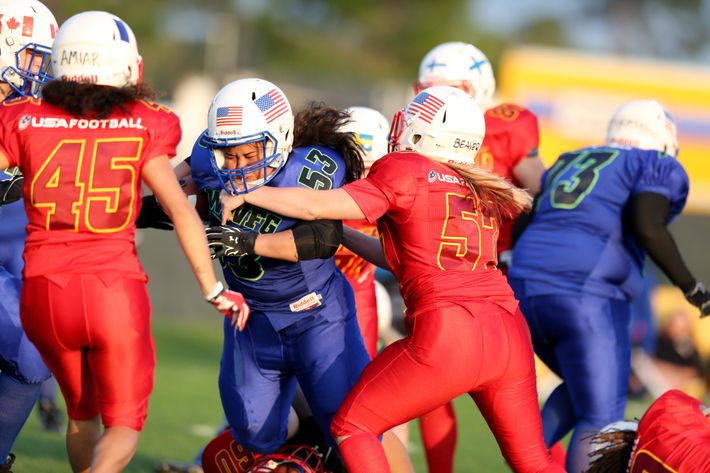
(511,135)
(83,181)
(439,244)
(358,271)
(673,436)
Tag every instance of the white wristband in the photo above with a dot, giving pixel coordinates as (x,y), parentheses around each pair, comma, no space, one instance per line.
(214,294)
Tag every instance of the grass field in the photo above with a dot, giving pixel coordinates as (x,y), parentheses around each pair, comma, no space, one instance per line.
(185,410)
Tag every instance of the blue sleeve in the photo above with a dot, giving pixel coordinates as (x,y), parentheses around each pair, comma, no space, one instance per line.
(666,176)
(201,167)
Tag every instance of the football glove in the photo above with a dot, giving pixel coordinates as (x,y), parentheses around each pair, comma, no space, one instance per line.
(11,189)
(152,215)
(224,240)
(231,304)
(700,298)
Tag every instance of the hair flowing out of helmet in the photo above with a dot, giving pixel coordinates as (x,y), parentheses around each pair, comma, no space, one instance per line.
(27,31)
(370,129)
(459,65)
(97,47)
(249,111)
(643,124)
(290,458)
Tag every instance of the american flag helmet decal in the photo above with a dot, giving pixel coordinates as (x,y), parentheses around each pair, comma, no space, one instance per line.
(229,116)
(273,104)
(426,105)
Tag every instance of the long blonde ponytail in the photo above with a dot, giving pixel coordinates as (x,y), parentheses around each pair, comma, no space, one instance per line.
(495,194)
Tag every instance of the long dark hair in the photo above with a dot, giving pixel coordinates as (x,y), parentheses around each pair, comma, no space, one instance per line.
(318,124)
(90,100)
(614,453)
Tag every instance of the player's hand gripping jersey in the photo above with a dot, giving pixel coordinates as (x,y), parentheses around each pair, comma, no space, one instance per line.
(453,261)
(511,135)
(549,260)
(673,436)
(79,188)
(276,287)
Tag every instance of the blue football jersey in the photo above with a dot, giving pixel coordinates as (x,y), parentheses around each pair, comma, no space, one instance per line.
(272,285)
(577,240)
(12,233)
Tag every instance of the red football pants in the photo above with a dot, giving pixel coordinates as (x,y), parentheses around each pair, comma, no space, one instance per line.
(94,335)
(479,349)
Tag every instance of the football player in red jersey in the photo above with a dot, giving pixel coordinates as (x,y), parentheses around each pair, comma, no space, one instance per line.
(437,215)
(671,437)
(84,149)
(510,150)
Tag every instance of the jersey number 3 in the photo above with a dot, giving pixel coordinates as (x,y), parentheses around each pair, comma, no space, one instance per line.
(575,175)
(88,188)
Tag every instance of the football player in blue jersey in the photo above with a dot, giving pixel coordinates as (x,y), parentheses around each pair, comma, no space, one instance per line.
(578,265)
(27,30)
(303,326)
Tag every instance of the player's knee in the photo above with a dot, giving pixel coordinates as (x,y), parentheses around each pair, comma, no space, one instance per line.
(341,428)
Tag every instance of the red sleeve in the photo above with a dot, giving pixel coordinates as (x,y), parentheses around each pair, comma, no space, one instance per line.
(389,187)
(165,132)
(521,127)
(9,133)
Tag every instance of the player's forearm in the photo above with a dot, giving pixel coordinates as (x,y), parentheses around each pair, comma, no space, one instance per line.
(649,212)
(277,245)
(368,247)
(306,204)
(294,202)
(191,235)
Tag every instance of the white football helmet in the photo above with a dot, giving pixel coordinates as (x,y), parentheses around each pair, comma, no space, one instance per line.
(643,124)
(442,123)
(26,26)
(96,47)
(460,65)
(370,129)
(249,111)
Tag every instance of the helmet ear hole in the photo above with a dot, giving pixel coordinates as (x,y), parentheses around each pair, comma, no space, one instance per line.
(416,139)
(443,120)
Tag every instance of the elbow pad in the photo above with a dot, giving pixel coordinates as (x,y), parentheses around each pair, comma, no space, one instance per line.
(317,239)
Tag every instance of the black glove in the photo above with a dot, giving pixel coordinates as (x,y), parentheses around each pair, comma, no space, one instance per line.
(152,215)
(224,240)
(11,189)
(700,298)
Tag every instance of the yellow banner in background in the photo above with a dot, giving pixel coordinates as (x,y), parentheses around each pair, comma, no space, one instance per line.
(574,94)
